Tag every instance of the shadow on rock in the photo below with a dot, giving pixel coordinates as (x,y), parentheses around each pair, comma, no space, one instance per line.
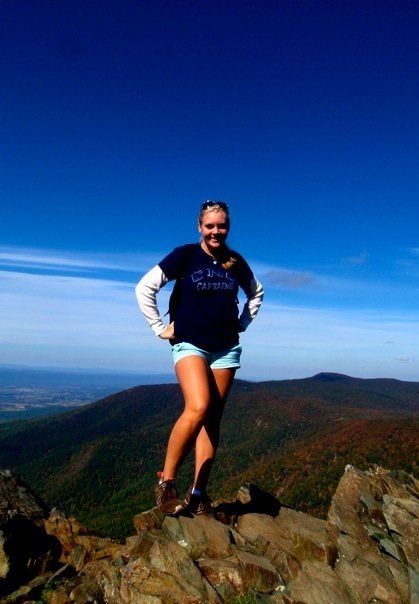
(250,500)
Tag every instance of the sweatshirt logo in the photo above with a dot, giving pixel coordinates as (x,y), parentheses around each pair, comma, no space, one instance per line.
(213,279)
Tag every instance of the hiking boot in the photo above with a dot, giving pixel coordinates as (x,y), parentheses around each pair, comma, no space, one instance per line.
(167,498)
(198,504)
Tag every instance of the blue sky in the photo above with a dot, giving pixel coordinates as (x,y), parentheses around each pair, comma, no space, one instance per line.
(119,118)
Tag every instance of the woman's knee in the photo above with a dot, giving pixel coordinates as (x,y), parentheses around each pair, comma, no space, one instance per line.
(196,413)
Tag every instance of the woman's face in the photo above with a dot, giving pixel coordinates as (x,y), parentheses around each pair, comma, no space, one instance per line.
(214,229)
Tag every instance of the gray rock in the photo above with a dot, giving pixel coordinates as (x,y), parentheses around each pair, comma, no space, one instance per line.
(226,576)
(259,574)
(26,550)
(316,583)
(201,536)
(307,534)
(376,535)
(367,551)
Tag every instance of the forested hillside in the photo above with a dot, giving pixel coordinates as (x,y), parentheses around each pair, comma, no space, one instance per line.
(292,438)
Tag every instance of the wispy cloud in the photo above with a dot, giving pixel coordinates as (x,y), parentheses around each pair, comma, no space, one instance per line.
(300,341)
(56,261)
(73,320)
(408,263)
(358,259)
(288,279)
(322,290)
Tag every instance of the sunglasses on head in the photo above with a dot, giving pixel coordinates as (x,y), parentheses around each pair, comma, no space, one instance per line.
(210,204)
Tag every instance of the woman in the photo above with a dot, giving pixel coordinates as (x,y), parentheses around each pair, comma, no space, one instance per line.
(204,333)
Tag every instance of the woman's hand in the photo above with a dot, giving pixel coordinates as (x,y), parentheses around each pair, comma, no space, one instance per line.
(169,332)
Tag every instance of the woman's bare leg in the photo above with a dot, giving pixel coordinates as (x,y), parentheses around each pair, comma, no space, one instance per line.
(204,392)
(208,436)
(194,380)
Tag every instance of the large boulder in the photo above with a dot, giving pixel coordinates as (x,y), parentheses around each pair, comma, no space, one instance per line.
(26,549)
(373,523)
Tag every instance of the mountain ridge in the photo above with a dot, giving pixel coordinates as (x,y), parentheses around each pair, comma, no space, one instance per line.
(293,437)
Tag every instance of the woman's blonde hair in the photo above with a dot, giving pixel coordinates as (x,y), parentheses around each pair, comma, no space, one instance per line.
(211,205)
(218,206)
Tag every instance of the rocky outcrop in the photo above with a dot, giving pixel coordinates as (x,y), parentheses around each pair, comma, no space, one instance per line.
(26,549)
(254,550)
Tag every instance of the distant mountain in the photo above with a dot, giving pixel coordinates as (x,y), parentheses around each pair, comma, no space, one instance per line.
(20,376)
(27,392)
(395,395)
(294,437)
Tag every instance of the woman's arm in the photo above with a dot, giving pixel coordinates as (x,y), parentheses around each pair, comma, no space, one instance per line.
(146,293)
(254,300)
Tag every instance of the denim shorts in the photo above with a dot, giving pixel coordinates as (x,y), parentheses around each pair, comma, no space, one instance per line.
(222,359)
